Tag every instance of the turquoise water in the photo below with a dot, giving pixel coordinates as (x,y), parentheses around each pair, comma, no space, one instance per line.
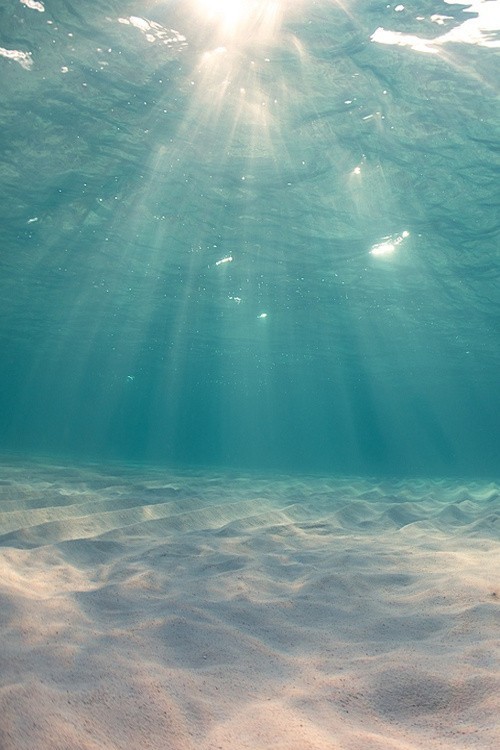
(254,235)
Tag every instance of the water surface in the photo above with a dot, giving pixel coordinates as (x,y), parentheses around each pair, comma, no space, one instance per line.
(260,235)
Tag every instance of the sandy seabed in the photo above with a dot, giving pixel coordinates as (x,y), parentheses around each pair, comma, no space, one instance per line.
(190,611)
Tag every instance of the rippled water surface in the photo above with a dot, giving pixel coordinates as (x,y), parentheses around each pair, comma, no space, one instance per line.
(251,234)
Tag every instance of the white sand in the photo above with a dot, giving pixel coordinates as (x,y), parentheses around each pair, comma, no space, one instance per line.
(178,612)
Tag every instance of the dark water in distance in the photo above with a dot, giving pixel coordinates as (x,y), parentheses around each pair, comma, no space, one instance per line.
(261,235)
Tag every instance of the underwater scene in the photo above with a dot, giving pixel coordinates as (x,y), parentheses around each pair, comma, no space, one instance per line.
(249,375)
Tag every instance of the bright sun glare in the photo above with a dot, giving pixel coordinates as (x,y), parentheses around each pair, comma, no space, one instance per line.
(230,13)
(241,17)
